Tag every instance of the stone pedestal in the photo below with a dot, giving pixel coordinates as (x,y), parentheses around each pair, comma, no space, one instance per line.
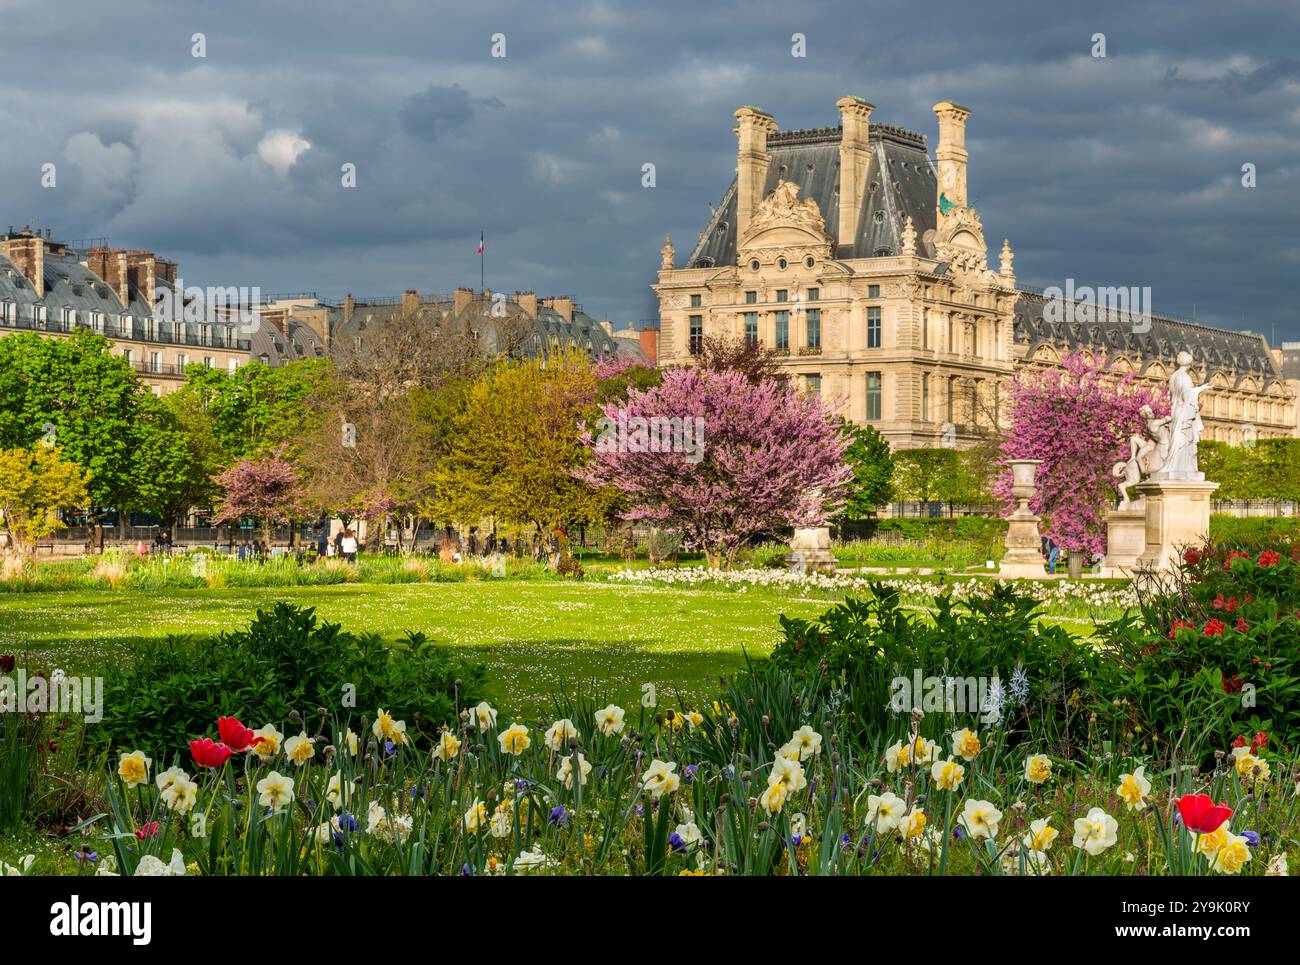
(810,549)
(1126,540)
(1024,556)
(1177,515)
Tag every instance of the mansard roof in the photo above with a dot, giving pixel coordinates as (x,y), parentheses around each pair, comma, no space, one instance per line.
(1236,355)
(900,182)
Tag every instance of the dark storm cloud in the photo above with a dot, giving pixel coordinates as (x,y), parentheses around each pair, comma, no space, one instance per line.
(1123,170)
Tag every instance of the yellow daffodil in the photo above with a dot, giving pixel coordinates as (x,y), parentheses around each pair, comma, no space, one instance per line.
(180,794)
(502,821)
(485,716)
(965,744)
(773,798)
(694,718)
(269,745)
(885,810)
(1040,835)
(912,824)
(1232,857)
(923,750)
(299,749)
(133,768)
(897,755)
(1038,768)
(514,739)
(661,778)
(565,774)
(1216,840)
(560,733)
(448,747)
(980,819)
(476,816)
(1133,789)
(275,791)
(167,777)
(808,741)
(610,720)
(385,728)
(351,742)
(947,775)
(1096,832)
(338,793)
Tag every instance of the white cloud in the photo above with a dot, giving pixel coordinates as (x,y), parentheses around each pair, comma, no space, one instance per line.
(281,149)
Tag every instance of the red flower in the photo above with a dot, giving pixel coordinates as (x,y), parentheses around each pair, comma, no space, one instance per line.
(1202,815)
(149,830)
(1191,556)
(1218,601)
(1240,742)
(1242,627)
(235,735)
(1232,604)
(208,753)
(7,663)
(1269,558)
(1232,684)
(1214,628)
(1260,740)
(1180,625)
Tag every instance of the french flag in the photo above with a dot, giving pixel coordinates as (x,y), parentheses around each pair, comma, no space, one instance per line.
(480,244)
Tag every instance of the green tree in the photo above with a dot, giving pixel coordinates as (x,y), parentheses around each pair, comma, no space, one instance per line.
(34,483)
(869,457)
(516,447)
(925,475)
(72,393)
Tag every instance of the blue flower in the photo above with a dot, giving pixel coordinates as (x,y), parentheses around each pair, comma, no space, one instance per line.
(1252,839)
(676,843)
(91,856)
(959,832)
(390,748)
(689,772)
(559,816)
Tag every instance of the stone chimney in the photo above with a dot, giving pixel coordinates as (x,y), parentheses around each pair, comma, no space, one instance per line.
(608,326)
(349,306)
(855,121)
(752,128)
(27,252)
(563,305)
(110,265)
(142,272)
(410,301)
(950,156)
(464,298)
(528,302)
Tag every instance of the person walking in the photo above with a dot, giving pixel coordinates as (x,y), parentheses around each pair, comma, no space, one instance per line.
(348,546)
(322,544)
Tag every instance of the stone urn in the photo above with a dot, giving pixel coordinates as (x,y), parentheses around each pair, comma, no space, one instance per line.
(1024,556)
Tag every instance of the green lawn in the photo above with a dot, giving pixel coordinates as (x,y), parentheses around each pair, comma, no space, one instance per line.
(536,638)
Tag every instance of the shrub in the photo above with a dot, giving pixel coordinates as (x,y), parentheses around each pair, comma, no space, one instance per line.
(860,647)
(1216,644)
(286,661)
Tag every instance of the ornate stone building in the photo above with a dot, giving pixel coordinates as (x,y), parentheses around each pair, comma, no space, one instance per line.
(857,257)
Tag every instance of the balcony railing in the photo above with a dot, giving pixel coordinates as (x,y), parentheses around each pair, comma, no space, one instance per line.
(118,332)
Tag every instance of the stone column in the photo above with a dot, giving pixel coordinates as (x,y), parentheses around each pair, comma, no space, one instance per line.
(810,549)
(1177,515)
(1024,555)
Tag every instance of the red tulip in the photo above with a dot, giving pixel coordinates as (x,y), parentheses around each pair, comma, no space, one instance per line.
(149,830)
(208,753)
(235,735)
(1202,815)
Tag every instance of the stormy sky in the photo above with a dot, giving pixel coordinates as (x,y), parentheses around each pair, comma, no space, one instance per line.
(1122,170)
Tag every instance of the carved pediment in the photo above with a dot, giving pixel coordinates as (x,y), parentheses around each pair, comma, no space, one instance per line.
(782,209)
(960,242)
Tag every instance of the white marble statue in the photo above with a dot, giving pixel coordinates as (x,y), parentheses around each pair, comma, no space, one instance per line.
(1185,424)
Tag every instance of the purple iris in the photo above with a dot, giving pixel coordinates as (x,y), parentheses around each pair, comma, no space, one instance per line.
(689,772)
(559,816)
(1252,839)
(390,748)
(676,843)
(91,856)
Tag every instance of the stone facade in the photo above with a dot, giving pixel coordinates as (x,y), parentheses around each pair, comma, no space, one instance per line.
(53,288)
(860,261)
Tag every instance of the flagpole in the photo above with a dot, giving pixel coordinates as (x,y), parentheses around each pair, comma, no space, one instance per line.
(482,271)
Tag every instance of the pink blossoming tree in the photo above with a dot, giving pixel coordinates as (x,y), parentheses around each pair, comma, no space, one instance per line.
(266,487)
(1077,419)
(770,457)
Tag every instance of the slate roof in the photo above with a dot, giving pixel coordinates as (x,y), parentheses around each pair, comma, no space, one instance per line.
(1238,355)
(549,328)
(900,182)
